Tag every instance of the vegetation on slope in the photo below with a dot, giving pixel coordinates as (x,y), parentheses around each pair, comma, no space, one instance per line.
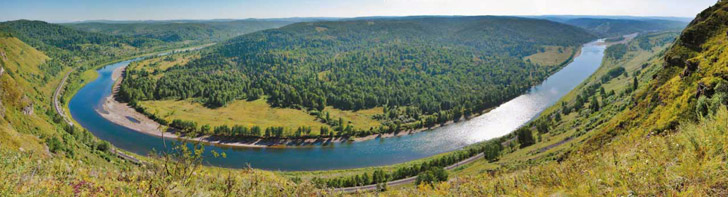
(40,155)
(175,31)
(618,27)
(548,137)
(661,134)
(423,71)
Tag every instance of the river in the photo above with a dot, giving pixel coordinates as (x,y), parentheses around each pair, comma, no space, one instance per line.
(496,123)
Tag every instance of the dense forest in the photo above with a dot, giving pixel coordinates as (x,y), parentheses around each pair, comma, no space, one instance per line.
(423,70)
(177,31)
(67,44)
(617,27)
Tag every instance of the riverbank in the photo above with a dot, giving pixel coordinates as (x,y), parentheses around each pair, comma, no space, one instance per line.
(126,116)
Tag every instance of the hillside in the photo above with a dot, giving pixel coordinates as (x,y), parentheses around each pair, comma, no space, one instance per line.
(423,71)
(40,155)
(178,31)
(662,131)
(616,27)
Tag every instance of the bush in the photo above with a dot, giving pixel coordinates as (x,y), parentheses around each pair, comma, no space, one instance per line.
(103,146)
(54,144)
(525,137)
(431,176)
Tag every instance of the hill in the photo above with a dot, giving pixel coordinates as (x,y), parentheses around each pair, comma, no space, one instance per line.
(423,71)
(662,131)
(41,155)
(178,31)
(616,27)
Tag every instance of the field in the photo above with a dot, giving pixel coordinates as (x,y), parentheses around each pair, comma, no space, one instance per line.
(246,113)
(361,119)
(551,56)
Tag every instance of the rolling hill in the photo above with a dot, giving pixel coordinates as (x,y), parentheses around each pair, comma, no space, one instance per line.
(423,70)
(178,31)
(616,27)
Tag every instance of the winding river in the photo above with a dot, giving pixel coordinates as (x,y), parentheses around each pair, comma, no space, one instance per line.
(498,122)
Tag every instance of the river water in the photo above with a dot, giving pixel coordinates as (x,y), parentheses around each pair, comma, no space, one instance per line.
(496,123)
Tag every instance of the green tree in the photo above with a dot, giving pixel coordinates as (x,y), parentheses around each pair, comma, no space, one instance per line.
(525,137)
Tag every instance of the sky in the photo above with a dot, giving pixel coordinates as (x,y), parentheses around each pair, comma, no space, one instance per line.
(78,10)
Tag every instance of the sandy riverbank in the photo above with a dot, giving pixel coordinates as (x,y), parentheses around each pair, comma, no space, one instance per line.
(124,115)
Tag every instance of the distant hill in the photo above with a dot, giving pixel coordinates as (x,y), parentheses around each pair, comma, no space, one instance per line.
(615,27)
(73,47)
(179,30)
(564,18)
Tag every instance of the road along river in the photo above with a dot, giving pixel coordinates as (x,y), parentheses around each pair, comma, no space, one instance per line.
(385,151)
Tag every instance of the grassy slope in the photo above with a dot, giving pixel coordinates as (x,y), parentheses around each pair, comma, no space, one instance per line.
(572,125)
(27,167)
(23,61)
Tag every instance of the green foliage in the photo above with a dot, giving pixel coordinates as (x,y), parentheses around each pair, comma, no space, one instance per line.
(616,51)
(619,27)
(38,33)
(525,137)
(177,31)
(492,151)
(429,69)
(613,73)
(491,147)
(103,146)
(432,176)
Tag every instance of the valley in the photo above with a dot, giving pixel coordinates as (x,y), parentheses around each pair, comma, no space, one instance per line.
(366,106)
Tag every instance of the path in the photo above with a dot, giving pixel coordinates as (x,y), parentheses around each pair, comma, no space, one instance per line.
(408,179)
(57,93)
(59,110)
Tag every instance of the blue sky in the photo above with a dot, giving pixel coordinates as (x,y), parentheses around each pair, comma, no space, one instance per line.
(75,10)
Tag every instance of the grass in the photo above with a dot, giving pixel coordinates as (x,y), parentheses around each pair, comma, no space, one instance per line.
(246,113)
(688,162)
(161,63)
(551,56)
(362,119)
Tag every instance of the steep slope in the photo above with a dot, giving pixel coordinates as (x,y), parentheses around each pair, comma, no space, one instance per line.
(616,27)
(424,71)
(174,31)
(42,156)
(663,131)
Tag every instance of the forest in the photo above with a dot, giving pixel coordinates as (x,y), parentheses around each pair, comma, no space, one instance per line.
(178,31)
(617,27)
(423,70)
